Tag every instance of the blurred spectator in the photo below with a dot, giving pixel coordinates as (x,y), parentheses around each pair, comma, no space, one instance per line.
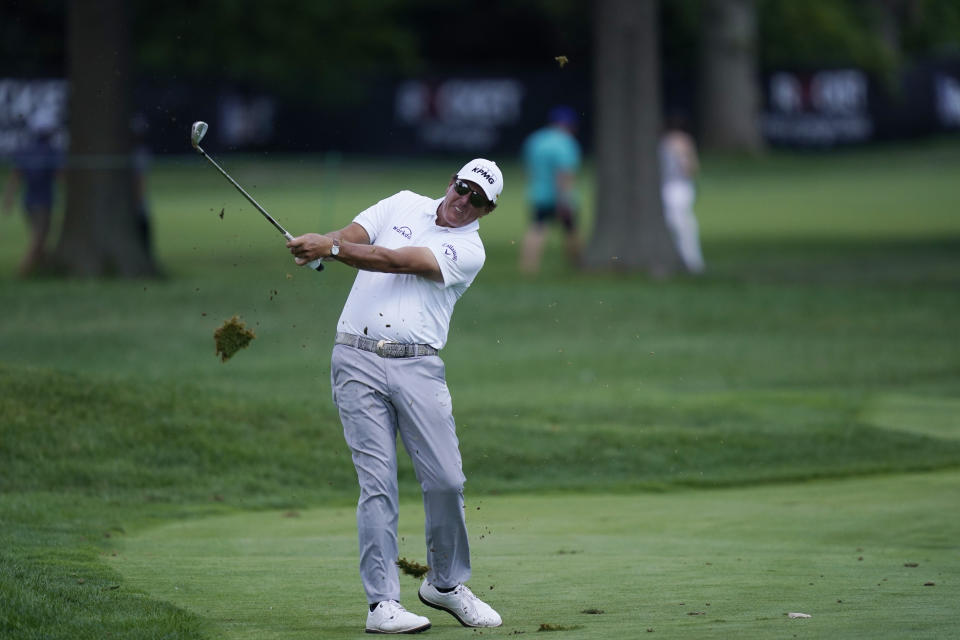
(36,167)
(142,159)
(679,166)
(551,155)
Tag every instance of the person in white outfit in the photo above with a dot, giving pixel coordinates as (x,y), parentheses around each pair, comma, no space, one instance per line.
(679,166)
(415,257)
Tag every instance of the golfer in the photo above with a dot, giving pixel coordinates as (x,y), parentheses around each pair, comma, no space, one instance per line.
(416,256)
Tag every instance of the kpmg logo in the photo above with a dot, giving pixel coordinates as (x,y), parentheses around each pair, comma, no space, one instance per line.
(449,251)
(481,171)
(404,231)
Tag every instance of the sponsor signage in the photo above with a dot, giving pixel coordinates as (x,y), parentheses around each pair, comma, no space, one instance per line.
(831,107)
(459,114)
(822,108)
(26,102)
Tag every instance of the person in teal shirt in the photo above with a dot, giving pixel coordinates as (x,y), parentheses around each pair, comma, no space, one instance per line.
(552,157)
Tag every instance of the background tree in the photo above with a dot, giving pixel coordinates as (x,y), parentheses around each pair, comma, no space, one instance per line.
(630,232)
(822,33)
(99,234)
(729,89)
(327,52)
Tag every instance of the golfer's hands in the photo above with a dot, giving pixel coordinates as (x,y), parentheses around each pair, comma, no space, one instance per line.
(309,247)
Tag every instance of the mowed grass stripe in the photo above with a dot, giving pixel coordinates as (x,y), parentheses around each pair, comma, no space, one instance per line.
(724,563)
(181,443)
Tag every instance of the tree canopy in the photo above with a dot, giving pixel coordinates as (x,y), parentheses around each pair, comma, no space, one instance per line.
(316,49)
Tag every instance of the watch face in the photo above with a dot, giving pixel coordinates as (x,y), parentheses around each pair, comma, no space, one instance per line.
(335,249)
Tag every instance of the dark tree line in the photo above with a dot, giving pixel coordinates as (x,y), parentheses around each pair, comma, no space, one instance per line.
(273,45)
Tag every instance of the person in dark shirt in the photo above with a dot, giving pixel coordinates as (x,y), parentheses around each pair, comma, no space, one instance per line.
(36,167)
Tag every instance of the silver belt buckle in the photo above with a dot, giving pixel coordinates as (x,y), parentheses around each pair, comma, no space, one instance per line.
(380,345)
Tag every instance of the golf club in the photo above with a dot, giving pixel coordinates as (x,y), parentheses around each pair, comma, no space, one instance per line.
(197,131)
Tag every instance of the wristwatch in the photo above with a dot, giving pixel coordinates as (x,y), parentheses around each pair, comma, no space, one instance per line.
(335,249)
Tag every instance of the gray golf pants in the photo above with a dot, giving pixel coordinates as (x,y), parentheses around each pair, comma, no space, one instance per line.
(378,398)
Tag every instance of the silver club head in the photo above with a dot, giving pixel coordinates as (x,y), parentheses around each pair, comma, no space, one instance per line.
(197,131)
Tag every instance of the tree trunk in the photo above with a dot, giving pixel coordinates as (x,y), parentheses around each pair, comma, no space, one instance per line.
(630,233)
(100,228)
(729,83)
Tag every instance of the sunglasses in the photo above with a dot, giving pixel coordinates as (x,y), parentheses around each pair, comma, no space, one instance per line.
(477,199)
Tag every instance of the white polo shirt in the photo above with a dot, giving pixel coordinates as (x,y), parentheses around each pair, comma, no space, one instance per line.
(410,308)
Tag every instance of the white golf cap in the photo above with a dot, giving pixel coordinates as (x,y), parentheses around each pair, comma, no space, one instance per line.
(485,173)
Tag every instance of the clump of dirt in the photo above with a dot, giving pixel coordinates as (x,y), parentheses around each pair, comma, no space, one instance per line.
(231,337)
(412,568)
(557,627)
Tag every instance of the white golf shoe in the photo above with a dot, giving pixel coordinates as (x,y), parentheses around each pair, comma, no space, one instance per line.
(389,616)
(467,608)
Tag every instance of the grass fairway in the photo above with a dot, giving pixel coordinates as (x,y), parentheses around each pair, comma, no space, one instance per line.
(796,404)
(726,563)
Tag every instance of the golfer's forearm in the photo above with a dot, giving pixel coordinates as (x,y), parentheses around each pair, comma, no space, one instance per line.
(370,257)
(412,260)
(353,232)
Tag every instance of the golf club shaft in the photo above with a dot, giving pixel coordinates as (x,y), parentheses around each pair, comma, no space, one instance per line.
(246,195)
(315,264)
